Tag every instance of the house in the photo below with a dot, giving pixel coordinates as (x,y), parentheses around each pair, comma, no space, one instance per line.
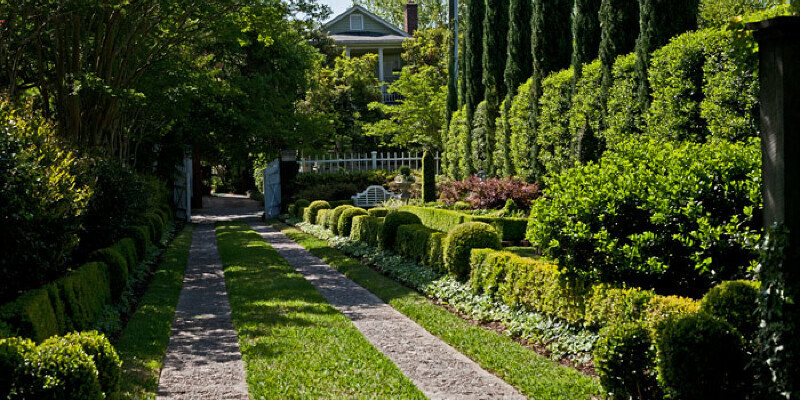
(359,32)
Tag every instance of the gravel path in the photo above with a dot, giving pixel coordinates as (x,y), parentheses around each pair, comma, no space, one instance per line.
(437,369)
(203,360)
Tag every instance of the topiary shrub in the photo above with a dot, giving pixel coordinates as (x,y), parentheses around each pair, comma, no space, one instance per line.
(412,241)
(299,205)
(623,116)
(700,357)
(613,306)
(127,247)
(428,177)
(117,268)
(86,292)
(462,239)
(734,302)
(556,147)
(310,213)
(15,377)
(64,372)
(435,255)
(585,114)
(522,138)
(391,223)
(292,210)
(366,229)
(334,218)
(141,238)
(624,358)
(346,220)
(323,217)
(32,315)
(378,211)
(106,360)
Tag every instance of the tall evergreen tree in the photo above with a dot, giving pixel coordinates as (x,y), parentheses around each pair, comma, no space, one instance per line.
(618,33)
(659,20)
(452,54)
(551,46)
(473,68)
(519,66)
(495,32)
(585,34)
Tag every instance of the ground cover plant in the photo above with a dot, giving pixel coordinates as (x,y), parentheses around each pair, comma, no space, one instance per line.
(532,374)
(294,344)
(143,343)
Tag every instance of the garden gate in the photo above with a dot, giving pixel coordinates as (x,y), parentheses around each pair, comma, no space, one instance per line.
(272,189)
(182,189)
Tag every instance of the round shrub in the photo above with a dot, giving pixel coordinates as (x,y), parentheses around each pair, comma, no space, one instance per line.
(461,240)
(736,303)
(310,214)
(127,247)
(292,210)
(117,267)
(334,218)
(141,238)
(378,211)
(392,222)
(65,372)
(625,362)
(323,217)
(106,360)
(700,357)
(13,355)
(346,220)
(299,205)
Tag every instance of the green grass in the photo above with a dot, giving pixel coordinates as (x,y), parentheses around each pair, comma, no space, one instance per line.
(295,345)
(533,375)
(143,343)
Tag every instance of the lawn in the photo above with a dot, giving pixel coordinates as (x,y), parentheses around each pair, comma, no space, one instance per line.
(533,375)
(294,344)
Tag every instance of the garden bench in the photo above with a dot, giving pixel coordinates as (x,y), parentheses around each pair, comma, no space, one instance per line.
(373,196)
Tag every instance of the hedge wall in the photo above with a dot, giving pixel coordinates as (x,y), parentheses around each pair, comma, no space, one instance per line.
(556,147)
(510,229)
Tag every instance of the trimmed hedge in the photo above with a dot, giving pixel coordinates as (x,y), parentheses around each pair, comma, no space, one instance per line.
(31,315)
(310,212)
(553,136)
(117,268)
(322,217)
(63,372)
(299,205)
(522,139)
(625,361)
(106,360)
(461,240)
(624,118)
(585,114)
(127,247)
(346,220)
(378,211)
(367,229)
(445,220)
(413,242)
(435,255)
(390,224)
(85,293)
(141,237)
(15,376)
(735,302)
(333,223)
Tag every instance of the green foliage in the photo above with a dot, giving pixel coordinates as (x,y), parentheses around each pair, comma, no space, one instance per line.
(623,116)
(613,306)
(519,65)
(716,13)
(15,379)
(734,302)
(624,358)
(141,238)
(556,147)
(127,248)
(618,22)
(434,257)
(473,72)
(366,229)
(430,13)
(586,34)
(655,30)
(585,114)
(510,207)
(520,281)
(32,315)
(413,241)
(310,213)
(333,222)
(323,217)
(461,240)
(378,211)
(346,220)
(674,217)
(521,139)
(299,205)
(103,355)
(64,371)
(676,80)
(86,292)
(117,268)
(482,139)
(392,223)
(428,177)
(445,220)
(700,357)
(458,142)
(42,200)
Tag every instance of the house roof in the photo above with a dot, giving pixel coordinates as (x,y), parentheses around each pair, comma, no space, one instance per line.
(346,39)
(369,39)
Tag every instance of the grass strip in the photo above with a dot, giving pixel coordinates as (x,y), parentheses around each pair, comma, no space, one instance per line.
(294,344)
(143,344)
(533,375)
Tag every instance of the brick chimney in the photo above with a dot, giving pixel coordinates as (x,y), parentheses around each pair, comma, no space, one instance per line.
(411,21)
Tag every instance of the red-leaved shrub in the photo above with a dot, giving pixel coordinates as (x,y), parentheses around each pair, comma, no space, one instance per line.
(490,193)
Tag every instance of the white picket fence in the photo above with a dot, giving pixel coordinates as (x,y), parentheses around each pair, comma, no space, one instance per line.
(332,163)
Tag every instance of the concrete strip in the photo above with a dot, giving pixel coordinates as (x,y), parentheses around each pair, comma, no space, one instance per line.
(203,359)
(437,369)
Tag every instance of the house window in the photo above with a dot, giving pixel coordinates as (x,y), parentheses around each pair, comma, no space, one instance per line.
(356,22)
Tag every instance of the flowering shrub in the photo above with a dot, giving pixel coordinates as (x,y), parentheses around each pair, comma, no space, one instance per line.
(490,193)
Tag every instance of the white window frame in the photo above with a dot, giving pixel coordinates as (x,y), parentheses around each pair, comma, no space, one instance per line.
(356,22)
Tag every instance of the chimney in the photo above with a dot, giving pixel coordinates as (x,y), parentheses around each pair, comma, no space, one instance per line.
(411,21)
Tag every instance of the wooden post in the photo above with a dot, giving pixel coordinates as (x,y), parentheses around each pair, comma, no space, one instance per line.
(779,304)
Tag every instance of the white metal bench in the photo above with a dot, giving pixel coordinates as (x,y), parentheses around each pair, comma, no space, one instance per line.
(373,196)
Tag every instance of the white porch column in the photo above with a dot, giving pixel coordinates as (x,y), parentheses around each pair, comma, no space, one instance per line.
(347,52)
(380,65)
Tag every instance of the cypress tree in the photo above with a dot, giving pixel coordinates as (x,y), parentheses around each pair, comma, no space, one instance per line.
(585,35)
(452,86)
(473,70)
(618,33)
(551,46)
(519,67)
(495,32)
(428,177)
(659,20)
